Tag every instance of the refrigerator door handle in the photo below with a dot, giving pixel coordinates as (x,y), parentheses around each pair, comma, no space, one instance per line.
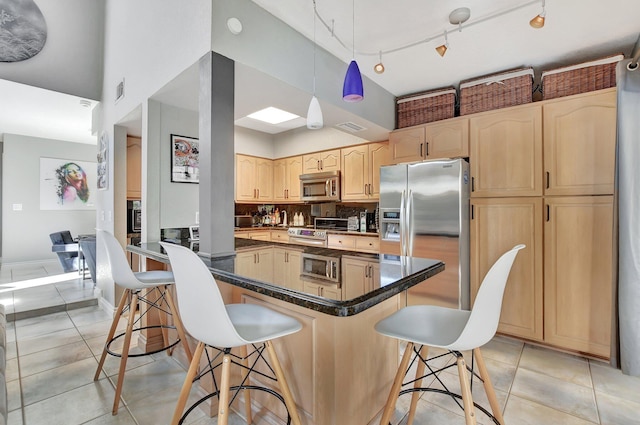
(403,224)
(409,227)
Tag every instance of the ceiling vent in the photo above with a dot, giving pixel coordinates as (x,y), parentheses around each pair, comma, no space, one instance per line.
(350,127)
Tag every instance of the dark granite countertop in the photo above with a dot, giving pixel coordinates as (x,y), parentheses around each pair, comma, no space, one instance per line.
(395,275)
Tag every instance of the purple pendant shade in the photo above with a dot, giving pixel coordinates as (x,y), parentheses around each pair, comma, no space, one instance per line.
(352,90)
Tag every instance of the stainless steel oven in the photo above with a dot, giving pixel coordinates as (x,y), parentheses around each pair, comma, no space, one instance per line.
(308,237)
(321,267)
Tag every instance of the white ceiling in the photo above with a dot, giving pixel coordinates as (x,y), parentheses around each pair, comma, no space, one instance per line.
(574,31)
(37,112)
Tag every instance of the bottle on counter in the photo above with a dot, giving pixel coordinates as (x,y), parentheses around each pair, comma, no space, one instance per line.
(296,219)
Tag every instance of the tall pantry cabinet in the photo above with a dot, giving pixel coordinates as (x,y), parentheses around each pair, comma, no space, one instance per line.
(560,288)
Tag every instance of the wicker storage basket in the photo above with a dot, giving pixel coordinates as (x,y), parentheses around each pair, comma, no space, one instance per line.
(588,76)
(420,108)
(495,91)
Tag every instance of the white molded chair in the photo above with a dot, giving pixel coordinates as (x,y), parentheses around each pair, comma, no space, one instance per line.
(454,330)
(150,288)
(223,327)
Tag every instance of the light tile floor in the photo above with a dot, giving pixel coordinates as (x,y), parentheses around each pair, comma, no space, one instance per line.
(51,360)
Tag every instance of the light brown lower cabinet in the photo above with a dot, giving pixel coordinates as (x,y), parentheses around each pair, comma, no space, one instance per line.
(497,225)
(578,279)
(569,258)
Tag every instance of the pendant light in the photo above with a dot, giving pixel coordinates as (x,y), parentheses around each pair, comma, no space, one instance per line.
(352,90)
(379,67)
(314,114)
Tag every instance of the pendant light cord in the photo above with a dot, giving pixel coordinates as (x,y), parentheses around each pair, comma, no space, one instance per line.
(315,13)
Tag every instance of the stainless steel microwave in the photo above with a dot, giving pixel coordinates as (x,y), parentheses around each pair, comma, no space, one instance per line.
(320,187)
(321,267)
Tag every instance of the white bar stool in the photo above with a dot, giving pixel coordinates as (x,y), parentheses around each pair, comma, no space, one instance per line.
(150,288)
(424,326)
(223,327)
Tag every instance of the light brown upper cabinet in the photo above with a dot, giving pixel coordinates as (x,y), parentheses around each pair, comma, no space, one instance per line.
(318,162)
(254,179)
(579,144)
(286,179)
(441,139)
(134,165)
(361,171)
(506,152)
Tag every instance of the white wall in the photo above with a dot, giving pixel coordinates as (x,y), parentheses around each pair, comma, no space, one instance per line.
(178,201)
(25,234)
(256,143)
(71,59)
(301,141)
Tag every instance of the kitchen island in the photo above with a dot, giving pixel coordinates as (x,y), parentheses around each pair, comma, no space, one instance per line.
(339,369)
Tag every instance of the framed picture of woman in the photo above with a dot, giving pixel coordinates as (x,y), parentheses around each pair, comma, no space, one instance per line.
(67,184)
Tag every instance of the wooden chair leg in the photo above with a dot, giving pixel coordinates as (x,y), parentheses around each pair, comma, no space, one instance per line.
(284,386)
(225,382)
(247,392)
(188,382)
(488,386)
(162,317)
(467,400)
(424,352)
(397,384)
(179,327)
(125,352)
(112,331)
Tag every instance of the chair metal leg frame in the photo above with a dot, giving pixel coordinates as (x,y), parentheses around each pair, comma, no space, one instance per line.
(420,354)
(129,303)
(223,390)
(155,303)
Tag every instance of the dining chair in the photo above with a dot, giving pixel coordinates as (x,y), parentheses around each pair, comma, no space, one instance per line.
(150,288)
(423,326)
(219,328)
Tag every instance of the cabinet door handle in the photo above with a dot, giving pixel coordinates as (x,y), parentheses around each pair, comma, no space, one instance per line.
(427,150)
(370,189)
(321,165)
(547,180)
(472,212)
(473,184)
(366,190)
(421,149)
(548,213)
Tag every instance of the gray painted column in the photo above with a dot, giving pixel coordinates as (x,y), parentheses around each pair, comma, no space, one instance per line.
(217,160)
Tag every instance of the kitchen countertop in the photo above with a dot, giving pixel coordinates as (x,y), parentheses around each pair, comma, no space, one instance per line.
(396,274)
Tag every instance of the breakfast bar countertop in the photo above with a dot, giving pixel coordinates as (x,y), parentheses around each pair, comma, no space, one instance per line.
(396,274)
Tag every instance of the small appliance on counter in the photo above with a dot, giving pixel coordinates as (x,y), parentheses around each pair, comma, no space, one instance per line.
(134,216)
(243,221)
(354,223)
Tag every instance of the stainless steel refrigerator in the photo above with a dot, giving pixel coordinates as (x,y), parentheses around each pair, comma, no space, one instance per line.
(424,212)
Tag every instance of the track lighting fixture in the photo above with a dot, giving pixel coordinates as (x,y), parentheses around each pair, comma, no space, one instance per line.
(379,67)
(538,21)
(443,48)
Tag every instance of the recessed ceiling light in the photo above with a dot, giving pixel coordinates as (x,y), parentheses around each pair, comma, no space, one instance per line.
(273,115)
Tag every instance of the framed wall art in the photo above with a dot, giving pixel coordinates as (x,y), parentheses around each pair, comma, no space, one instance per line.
(67,184)
(103,161)
(185,159)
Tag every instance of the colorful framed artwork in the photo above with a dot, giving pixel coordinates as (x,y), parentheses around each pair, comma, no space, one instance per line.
(67,184)
(185,159)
